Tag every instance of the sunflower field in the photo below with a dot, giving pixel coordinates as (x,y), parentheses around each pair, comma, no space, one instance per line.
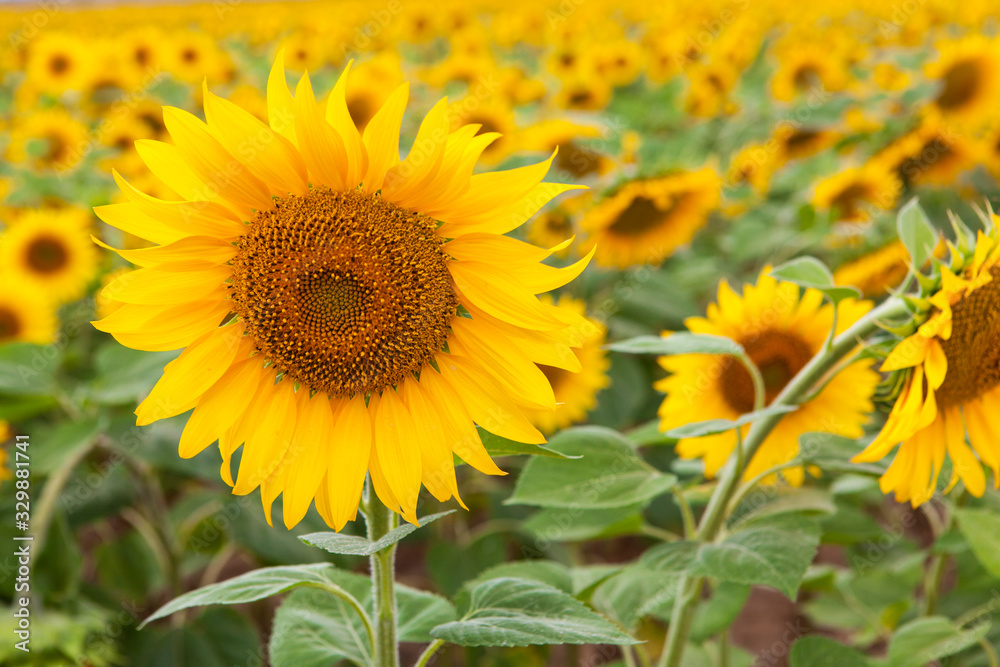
(572,332)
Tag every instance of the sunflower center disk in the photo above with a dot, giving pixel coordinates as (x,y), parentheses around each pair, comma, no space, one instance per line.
(973,351)
(642,215)
(47,255)
(961,83)
(10,324)
(343,292)
(778,355)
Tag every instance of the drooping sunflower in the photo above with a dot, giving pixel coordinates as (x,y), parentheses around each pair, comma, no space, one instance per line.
(51,250)
(969,75)
(575,388)
(646,220)
(781,328)
(343,312)
(27,314)
(947,369)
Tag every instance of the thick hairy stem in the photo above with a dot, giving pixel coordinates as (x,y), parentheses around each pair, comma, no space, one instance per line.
(380,520)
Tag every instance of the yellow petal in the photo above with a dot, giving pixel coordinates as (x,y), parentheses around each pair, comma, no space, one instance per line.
(494,292)
(382,139)
(264,433)
(162,286)
(162,328)
(349,454)
(308,459)
(339,117)
(221,406)
(437,464)
(398,458)
(403,183)
(321,147)
(191,252)
(280,105)
(190,375)
(267,154)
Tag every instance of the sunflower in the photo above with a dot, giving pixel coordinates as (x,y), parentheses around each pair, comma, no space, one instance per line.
(574,158)
(194,56)
(575,388)
(619,61)
(48,139)
(584,92)
(58,62)
(494,118)
(934,153)
(372,311)
(969,76)
(753,166)
(796,143)
(781,329)
(876,272)
(26,313)
(806,68)
(51,250)
(709,87)
(646,220)
(141,51)
(948,370)
(852,192)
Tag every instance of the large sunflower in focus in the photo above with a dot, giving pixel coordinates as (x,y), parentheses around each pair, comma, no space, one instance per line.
(646,220)
(781,330)
(951,382)
(343,312)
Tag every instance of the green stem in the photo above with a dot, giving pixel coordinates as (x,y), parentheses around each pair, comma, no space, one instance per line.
(792,394)
(431,649)
(380,520)
(686,514)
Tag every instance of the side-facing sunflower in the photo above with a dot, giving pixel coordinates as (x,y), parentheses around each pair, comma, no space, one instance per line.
(50,249)
(372,311)
(646,220)
(852,192)
(781,329)
(575,388)
(880,270)
(574,158)
(949,371)
(26,313)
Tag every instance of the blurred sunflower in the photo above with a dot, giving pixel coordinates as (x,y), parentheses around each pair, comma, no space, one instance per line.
(781,329)
(969,75)
(796,143)
(576,387)
(876,272)
(853,191)
(51,250)
(709,86)
(806,68)
(26,313)
(58,62)
(5,435)
(340,275)
(646,220)
(947,369)
(753,166)
(585,92)
(48,139)
(494,118)
(934,153)
(573,158)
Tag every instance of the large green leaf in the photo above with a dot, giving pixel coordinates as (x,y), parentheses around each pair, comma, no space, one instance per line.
(520,612)
(981,529)
(772,552)
(254,585)
(546,571)
(823,652)
(353,545)
(670,556)
(635,592)
(562,524)
(27,369)
(926,639)
(719,611)
(609,474)
(810,272)
(499,446)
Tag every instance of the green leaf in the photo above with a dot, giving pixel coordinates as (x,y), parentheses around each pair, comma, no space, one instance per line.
(635,592)
(419,612)
(916,232)
(926,639)
(678,343)
(610,474)
(561,524)
(254,585)
(519,612)
(812,273)
(352,545)
(546,571)
(981,529)
(315,629)
(125,375)
(800,500)
(670,556)
(719,612)
(775,552)
(498,446)
(648,434)
(834,452)
(823,652)
(587,577)
(63,443)
(27,369)
(714,426)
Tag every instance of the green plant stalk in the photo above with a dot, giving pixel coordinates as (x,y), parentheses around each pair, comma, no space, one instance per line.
(380,520)
(715,513)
